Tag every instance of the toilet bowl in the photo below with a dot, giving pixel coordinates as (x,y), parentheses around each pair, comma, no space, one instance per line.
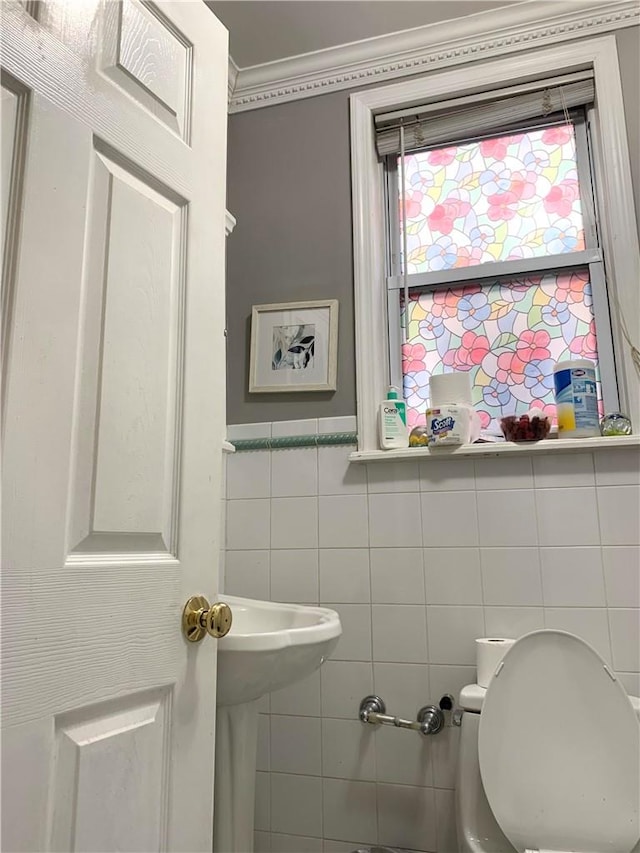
(549,754)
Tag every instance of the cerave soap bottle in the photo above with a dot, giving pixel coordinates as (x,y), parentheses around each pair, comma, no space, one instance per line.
(392,421)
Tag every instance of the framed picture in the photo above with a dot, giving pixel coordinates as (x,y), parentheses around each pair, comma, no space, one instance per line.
(294,347)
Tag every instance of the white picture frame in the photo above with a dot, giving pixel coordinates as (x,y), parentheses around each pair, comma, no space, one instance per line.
(294,347)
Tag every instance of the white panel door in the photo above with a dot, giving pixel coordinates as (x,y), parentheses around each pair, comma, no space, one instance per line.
(113,228)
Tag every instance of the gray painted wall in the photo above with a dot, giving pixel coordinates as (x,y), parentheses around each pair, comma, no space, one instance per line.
(290,191)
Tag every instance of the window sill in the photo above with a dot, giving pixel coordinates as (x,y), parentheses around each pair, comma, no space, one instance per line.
(552,445)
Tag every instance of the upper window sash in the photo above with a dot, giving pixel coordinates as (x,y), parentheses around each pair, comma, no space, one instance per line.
(592,254)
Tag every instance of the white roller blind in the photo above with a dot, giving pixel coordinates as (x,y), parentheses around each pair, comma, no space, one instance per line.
(484,112)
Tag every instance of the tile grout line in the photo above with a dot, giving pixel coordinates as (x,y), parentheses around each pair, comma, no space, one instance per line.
(606,597)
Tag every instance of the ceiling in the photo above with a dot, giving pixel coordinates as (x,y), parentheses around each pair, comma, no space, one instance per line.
(267,30)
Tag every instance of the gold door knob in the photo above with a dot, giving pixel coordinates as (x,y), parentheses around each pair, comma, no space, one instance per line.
(199,619)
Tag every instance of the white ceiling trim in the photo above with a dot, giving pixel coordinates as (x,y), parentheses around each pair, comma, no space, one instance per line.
(487,34)
(232,77)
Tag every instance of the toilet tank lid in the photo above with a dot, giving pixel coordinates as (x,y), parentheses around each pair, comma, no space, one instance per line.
(472,698)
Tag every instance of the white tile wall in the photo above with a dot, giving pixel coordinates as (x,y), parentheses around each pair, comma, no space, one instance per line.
(296,745)
(263,802)
(399,633)
(507,518)
(449,518)
(617,469)
(248,523)
(242,431)
(281,429)
(344,684)
(563,469)
(343,521)
(295,843)
(567,516)
(297,477)
(296,804)
(447,475)
(344,575)
(622,575)
(407,683)
(348,750)
(419,560)
(247,573)
(511,576)
(572,577)
(512,621)
(625,639)
(393,477)
(452,576)
(446,821)
(404,762)
(249,476)
(302,698)
(294,522)
(347,423)
(336,476)
(397,576)
(406,816)
(452,633)
(590,623)
(294,575)
(619,508)
(394,521)
(504,472)
(355,642)
(348,807)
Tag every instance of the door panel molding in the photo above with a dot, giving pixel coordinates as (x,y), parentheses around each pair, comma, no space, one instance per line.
(151,60)
(15,128)
(129,397)
(115,754)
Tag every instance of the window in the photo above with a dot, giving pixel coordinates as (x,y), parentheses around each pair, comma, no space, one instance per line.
(502,259)
(508,267)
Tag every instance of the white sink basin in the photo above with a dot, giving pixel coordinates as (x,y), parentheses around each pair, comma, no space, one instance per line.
(271,645)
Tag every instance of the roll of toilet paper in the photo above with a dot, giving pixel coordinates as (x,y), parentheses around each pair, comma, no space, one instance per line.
(452,387)
(489,653)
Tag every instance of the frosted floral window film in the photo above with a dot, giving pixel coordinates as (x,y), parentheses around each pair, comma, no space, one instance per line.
(497,199)
(507,334)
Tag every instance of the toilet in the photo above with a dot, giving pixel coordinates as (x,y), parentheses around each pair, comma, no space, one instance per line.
(549,758)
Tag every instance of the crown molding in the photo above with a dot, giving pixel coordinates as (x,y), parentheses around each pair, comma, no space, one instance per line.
(232,78)
(483,35)
(229,223)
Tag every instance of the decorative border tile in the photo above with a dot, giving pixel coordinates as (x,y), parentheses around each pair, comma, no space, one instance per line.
(288,441)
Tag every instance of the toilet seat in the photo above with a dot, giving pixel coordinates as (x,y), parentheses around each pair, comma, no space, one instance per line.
(559,749)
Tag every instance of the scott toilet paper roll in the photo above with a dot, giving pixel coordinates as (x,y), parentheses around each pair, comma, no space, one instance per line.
(489,653)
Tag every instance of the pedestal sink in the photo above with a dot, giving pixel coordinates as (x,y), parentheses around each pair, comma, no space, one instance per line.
(269,646)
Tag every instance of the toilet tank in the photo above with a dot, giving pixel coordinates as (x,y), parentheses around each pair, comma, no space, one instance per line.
(478,831)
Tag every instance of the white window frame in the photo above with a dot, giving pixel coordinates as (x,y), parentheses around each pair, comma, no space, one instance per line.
(613,190)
